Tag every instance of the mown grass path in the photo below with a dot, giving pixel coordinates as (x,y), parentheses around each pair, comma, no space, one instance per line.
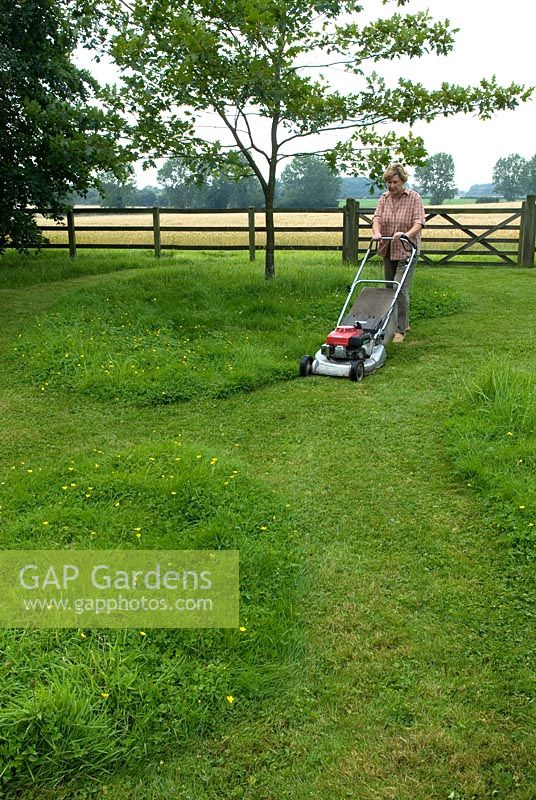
(414,681)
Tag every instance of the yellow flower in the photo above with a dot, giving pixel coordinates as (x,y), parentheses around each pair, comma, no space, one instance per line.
(83,635)
(230,699)
(142,633)
(45,522)
(105,695)
(264,528)
(213,460)
(242,629)
(509,433)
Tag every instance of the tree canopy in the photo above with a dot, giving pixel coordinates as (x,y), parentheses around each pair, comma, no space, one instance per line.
(205,78)
(308,182)
(436,178)
(510,176)
(52,137)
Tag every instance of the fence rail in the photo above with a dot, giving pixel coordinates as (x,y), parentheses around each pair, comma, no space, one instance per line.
(462,235)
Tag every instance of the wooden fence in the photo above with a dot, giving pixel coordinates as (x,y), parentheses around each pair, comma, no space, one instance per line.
(459,235)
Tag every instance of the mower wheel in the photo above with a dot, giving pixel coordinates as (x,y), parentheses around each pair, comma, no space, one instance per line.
(306,366)
(357,370)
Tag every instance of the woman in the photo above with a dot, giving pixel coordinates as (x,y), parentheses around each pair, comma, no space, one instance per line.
(399,212)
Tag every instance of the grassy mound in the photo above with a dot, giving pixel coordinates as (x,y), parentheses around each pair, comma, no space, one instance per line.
(185,333)
(492,438)
(92,701)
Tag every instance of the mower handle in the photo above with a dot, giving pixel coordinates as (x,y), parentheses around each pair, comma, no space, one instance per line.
(406,242)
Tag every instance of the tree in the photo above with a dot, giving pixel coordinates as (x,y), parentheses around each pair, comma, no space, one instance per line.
(90,198)
(179,185)
(308,182)
(184,189)
(359,187)
(115,193)
(255,68)
(52,136)
(224,192)
(531,176)
(480,190)
(147,196)
(436,178)
(510,176)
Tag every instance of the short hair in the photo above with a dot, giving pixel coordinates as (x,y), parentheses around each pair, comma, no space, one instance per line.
(396,169)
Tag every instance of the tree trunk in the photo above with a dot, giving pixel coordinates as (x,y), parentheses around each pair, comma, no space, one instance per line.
(269,264)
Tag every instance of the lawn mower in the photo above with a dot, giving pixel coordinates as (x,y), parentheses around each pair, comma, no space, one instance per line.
(356,347)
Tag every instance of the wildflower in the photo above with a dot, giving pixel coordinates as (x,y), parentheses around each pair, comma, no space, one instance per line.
(264,528)
(521,506)
(213,461)
(45,522)
(230,699)
(105,695)
(83,635)
(142,633)
(509,433)
(242,629)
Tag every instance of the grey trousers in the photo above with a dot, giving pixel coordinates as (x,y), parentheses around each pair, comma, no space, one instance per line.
(393,271)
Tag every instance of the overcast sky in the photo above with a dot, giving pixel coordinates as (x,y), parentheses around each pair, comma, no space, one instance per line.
(495,38)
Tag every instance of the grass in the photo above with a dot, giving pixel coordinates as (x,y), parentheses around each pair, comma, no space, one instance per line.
(388,646)
(166,337)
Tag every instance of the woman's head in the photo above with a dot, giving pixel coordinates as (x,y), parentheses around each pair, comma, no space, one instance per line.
(396,170)
(395,176)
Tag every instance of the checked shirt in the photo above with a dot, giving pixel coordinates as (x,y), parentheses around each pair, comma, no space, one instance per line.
(398,215)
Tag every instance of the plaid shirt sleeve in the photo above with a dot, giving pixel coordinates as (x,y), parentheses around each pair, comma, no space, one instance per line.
(399,216)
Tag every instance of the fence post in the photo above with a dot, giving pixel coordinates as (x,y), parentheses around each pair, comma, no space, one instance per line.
(251,228)
(528,232)
(349,231)
(156,232)
(521,229)
(71,233)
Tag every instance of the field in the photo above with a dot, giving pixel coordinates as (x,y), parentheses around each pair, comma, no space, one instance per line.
(386,531)
(438,228)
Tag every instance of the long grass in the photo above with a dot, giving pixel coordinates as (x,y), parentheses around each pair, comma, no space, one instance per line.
(386,603)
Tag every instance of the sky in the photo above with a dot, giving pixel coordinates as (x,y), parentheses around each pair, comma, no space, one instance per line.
(495,38)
